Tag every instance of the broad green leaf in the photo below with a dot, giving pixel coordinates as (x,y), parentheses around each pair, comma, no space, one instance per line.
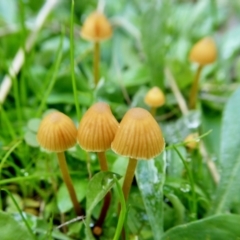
(150,178)
(228,188)
(31,139)
(63,199)
(221,227)
(33,124)
(11,229)
(99,185)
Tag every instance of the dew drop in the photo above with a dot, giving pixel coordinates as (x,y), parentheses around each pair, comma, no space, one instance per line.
(185,188)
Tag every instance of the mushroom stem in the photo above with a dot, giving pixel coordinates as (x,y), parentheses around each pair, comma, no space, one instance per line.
(194,89)
(68,182)
(107,199)
(96,62)
(102,161)
(129,177)
(153,111)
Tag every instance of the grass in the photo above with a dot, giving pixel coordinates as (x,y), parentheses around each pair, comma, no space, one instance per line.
(149,47)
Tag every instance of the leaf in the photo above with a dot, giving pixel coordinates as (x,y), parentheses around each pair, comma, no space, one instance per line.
(150,178)
(219,227)
(30,139)
(63,199)
(33,124)
(12,229)
(99,185)
(228,188)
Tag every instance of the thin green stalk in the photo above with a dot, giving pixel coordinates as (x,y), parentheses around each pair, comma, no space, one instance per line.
(17,100)
(53,78)
(214,14)
(20,212)
(24,34)
(123,211)
(191,181)
(25,178)
(184,143)
(4,160)
(7,123)
(77,105)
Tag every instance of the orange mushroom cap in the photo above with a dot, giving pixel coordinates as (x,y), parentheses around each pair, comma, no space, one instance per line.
(97,128)
(204,51)
(96,27)
(139,135)
(57,132)
(155,97)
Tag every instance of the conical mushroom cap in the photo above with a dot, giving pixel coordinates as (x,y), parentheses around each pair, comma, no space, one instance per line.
(154,97)
(96,27)
(57,132)
(204,51)
(139,135)
(97,128)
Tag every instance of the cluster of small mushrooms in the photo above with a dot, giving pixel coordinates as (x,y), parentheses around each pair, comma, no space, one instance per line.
(138,136)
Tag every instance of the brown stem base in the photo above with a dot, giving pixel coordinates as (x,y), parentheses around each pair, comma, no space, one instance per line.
(194,89)
(68,181)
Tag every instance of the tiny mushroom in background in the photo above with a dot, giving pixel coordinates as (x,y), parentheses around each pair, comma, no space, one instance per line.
(57,133)
(138,137)
(191,141)
(203,52)
(95,134)
(154,98)
(96,28)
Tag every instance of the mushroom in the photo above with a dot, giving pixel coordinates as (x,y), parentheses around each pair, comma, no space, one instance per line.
(138,137)
(95,134)
(57,133)
(154,98)
(96,28)
(203,52)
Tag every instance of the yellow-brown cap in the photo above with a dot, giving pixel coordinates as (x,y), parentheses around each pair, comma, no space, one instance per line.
(191,141)
(57,132)
(97,128)
(204,51)
(139,135)
(96,27)
(155,97)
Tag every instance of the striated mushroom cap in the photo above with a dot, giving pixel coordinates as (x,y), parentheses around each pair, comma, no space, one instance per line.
(57,132)
(139,135)
(204,51)
(97,128)
(155,97)
(96,27)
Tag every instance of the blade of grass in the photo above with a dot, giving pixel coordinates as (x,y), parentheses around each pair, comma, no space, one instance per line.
(191,181)
(53,77)
(122,212)
(73,62)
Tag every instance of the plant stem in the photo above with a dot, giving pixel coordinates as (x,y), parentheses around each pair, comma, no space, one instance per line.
(68,182)
(123,211)
(191,181)
(194,89)
(129,177)
(153,111)
(102,161)
(107,199)
(96,62)
(73,63)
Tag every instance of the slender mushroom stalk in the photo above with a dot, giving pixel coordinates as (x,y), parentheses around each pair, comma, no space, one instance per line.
(154,98)
(57,133)
(138,137)
(203,52)
(96,28)
(95,134)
